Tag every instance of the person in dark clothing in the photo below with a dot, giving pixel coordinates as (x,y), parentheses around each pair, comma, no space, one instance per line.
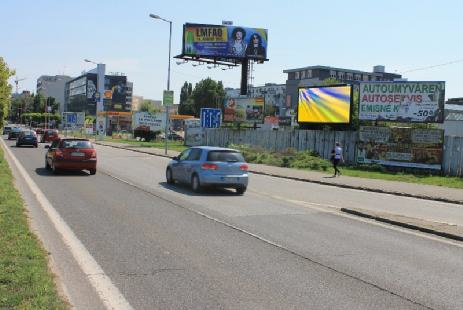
(255,48)
(336,158)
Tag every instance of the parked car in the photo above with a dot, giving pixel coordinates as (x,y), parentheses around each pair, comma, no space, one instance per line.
(6,129)
(171,136)
(205,166)
(27,137)
(71,154)
(13,134)
(49,135)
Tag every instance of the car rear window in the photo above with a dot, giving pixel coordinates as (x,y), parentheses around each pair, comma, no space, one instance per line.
(225,156)
(77,144)
(29,133)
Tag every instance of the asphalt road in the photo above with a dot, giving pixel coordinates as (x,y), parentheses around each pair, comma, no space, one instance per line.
(282,245)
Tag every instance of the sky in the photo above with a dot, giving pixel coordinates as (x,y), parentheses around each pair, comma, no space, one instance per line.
(422,40)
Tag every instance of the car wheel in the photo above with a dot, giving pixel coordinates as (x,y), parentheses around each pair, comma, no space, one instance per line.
(47,165)
(169,176)
(240,190)
(195,185)
(92,171)
(36,146)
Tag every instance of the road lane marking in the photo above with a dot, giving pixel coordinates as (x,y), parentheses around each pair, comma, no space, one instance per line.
(109,294)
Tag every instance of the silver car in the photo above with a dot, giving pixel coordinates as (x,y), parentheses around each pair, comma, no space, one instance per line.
(207,166)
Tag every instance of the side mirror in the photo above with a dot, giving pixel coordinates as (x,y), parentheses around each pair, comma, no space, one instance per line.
(47,146)
(176,158)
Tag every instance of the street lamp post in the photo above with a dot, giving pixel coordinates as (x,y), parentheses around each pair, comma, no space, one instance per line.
(101,123)
(168,77)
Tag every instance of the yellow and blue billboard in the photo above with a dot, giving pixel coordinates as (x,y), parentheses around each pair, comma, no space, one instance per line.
(224,41)
(325,104)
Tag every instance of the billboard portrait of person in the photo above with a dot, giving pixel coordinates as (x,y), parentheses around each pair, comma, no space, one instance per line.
(237,44)
(255,49)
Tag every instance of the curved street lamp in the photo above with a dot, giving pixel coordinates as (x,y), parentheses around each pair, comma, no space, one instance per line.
(168,75)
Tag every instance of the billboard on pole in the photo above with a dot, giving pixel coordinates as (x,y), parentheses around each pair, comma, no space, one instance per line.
(244,110)
(420,102)
(226,41)
(325,104)
(155,121)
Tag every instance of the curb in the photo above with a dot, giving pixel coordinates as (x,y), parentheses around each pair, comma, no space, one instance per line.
(402,224)
(368,189)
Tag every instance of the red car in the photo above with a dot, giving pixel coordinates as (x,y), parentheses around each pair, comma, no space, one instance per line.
(49,135)
(71,154)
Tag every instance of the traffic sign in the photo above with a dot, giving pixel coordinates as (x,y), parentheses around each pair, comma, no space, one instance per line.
(211,118)
(168,97)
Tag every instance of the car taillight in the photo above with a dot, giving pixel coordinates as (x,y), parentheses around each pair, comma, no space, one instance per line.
(58,153)
(208,166)
(93,154)
(244,167)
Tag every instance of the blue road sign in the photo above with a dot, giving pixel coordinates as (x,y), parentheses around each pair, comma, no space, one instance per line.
(211,118)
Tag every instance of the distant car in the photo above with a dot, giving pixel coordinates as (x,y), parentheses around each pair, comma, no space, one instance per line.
(14,133)
(6,129)
(49,135)
(27,137)
(71,154)
(205,166)
(171,136)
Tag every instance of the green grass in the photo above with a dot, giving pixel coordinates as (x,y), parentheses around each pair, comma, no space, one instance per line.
(171,145)
(311,161)
(25,280)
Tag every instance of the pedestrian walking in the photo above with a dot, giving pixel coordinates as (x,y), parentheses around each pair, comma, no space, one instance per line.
(336,158)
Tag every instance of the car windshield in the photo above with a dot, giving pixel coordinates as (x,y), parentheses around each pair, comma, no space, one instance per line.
(77,144)
(29,133)
(225,156)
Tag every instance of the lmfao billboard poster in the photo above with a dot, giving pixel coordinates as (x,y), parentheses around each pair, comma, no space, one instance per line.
(224,41)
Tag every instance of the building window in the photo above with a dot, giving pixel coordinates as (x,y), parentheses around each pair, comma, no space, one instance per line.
(297,76)
(365,77)
(332,73)
(349,76)
(309,74)
(357,77)
(302,75)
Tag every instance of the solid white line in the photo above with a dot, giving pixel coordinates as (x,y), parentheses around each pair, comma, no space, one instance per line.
(106,290)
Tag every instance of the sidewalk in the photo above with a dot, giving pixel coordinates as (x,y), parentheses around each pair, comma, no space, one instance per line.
(448,223)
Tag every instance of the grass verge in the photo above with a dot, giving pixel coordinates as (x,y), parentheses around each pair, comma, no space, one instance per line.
(171,145)
(25,280)
(307,160)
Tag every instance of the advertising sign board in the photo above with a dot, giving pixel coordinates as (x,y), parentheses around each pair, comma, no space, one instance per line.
(211,118)
(226,41)
(402,101)
(244,110)
(155,121)
(400,146)
(326,104)
(194,136)
(168,97)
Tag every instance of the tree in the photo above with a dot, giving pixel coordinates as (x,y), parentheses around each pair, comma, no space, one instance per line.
(207,94)
(38,105)
(186,101)
(5,90)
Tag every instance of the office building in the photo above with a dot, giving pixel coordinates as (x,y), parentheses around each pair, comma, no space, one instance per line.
(53,86)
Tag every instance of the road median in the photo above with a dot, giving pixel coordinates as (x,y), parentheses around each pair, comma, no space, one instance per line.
(446,230)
